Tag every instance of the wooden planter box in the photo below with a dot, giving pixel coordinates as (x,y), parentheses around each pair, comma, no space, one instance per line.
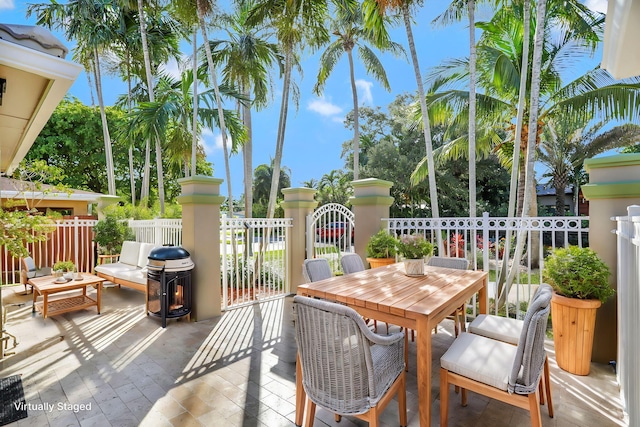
(573,327)
(380,262)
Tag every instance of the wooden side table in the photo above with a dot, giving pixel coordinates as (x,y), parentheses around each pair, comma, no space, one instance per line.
(45,286)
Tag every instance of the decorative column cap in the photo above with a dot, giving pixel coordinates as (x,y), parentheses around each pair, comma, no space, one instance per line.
(618,160)
(299,197)
(200,189)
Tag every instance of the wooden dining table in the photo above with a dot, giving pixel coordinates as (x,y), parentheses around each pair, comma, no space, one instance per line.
(419,303)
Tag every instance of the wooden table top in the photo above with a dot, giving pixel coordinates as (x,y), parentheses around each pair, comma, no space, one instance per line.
(388,290)
(47,283)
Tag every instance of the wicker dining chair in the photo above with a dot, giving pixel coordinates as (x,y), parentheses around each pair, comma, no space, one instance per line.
(315,269)
(346,368)
(351,263)
(497,369)
(509,330)
(459,317)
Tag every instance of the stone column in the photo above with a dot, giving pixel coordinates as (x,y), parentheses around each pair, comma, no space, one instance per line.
(201,200)
(614,184)
(298,203)
(103,202)
(370,203)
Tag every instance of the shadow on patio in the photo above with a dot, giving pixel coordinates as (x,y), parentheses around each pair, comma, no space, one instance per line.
(121,368)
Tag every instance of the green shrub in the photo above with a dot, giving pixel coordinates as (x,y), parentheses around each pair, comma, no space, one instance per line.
(110,232)
(381,245)
(576,272)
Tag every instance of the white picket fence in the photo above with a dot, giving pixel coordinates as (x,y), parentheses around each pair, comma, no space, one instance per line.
(483,242)
(157,231)
(628,296)
(72,240)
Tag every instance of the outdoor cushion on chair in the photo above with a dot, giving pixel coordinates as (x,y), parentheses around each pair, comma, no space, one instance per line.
(29,271)
(497,369)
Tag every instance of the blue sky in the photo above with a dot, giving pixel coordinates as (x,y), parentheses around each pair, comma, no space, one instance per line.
(315,132)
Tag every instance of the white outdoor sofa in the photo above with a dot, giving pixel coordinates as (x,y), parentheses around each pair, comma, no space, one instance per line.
(131,268)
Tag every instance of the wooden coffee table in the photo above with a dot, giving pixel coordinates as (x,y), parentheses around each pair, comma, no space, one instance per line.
(46,286)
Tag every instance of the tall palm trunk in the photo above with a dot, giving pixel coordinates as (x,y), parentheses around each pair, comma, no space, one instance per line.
(146,182)
(247,156)
(472,111)
(529,194)
(515,163)
(216,90)
(433,191)
(284,107)
(147,68)
(194,142)
(132,179)
(356,117)
(111,182)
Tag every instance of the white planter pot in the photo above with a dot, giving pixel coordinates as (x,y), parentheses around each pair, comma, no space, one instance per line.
(414,267)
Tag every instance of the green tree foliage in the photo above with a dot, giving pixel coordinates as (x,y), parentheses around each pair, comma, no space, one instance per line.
(72,141)
(389,151)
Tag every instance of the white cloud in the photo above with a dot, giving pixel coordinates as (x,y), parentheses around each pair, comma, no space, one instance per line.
(172,67)
(364,91)
(597,5)
(7,4)
(324,107)
(205,138)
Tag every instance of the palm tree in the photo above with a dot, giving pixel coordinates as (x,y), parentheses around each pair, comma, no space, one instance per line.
(262,179)
(246,57)
(455,12)
(334,187)
(168,117)
(297,24)
(92,25)
(595,94)
(347,26)
(374,12)
(564,148)
(127,60)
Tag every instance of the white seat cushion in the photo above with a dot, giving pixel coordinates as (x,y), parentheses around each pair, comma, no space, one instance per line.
(143,257)
(135,276)
(114,269)
(499,328)
(129,253)
(481,359)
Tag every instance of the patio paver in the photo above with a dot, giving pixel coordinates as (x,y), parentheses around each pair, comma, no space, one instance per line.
(236,370)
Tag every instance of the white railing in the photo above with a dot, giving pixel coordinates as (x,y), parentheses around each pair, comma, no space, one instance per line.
(157,231)
(483,240)
(72,240)
(254,260)
(330,233)
(628,296)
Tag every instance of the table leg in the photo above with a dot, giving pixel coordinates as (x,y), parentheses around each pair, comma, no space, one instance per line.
(482,297)
(45,304)
(99,296)
(35,296)
(300,394)
(423,368)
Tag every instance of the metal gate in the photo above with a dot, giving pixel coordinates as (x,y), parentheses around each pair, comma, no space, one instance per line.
(330,232)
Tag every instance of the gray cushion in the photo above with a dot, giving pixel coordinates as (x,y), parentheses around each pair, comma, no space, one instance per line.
(498,328)
(481,359)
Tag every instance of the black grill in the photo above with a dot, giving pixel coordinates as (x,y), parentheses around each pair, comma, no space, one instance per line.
(169,283)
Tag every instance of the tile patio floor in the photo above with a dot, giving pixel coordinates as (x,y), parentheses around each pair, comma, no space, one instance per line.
(236,370)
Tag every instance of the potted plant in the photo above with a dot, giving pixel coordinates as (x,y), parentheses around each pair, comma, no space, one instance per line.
(381,249)
(64,268)
(414,248)
(580,280)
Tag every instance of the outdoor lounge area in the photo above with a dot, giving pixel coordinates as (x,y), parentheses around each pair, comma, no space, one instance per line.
(121,368)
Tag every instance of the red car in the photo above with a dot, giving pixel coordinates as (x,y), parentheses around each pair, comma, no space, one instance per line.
(334,231)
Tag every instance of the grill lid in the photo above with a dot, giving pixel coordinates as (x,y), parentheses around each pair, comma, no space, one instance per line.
(164,253)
